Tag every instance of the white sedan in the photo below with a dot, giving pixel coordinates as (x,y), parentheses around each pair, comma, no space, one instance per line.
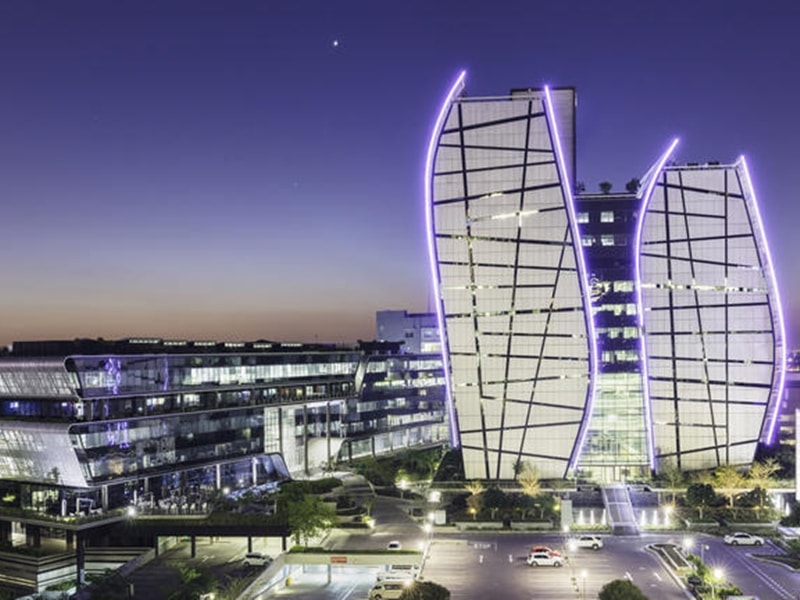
(545,559)
(741,538)
(595,542)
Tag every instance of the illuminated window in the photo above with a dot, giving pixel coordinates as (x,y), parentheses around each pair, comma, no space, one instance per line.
(631,332)
(607,216)
(583,217)
(587,240)
(607,239)
(623,286)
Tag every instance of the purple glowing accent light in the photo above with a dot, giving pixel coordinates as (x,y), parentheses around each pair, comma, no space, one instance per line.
(637,253)
(772,284)
(582,279)
(455,90)
(113,367)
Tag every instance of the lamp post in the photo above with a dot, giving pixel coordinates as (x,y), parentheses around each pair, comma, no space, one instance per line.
(583,584)
(403,485)
(716,577)
(688,544)
(428,528)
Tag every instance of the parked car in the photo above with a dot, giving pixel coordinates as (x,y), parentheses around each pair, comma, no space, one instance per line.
(595,542)
(543,559)
(387,590)
(740,538)
(256,559)
(545,549)
(394,545)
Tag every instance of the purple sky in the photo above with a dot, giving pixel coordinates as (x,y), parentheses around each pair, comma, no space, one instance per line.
(226,170)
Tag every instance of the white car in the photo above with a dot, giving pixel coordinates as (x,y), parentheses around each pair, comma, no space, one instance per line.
(595,542)
(256,559)
(741,538)
(545,559)
(387,590)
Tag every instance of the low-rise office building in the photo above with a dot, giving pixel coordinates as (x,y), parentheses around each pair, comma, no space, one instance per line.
(89,427)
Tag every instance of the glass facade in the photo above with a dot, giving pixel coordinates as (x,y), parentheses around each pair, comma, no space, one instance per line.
(712,317)
(98,420)
(510,283)
(604,335)
(616,442)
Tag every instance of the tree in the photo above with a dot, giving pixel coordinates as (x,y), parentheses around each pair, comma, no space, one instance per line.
(761,473)
(529,480)
(306,516)
(729,481)
(475,500)
(621,589)
(425,590)
(700,495)
(193,582)
(494,499)
(605,187)
(524,504)
(632,186)
(672,477)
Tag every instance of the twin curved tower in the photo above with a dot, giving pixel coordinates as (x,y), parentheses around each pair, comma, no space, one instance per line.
(604,334)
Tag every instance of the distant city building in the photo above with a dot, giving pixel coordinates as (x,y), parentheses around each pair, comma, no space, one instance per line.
(603,335)
(418,332)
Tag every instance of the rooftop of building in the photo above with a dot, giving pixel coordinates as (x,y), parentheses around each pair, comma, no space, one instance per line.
(147,345)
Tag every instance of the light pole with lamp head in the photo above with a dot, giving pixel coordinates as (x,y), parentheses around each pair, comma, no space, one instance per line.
(716,578)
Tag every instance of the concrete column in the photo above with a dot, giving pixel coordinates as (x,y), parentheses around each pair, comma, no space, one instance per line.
(193,542)
(249,543)
(104,497)
(305,439)
(33,536)
(80,561)
(70,541)
(328,432)
(5,533)
(218,468)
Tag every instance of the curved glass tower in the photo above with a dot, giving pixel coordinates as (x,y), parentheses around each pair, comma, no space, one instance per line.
(510,281)
(608,334)
(713,328)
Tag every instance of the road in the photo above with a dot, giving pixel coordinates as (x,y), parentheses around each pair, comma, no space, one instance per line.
(476,566)
(766,580)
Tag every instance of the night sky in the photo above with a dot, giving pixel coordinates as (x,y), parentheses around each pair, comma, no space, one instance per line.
(245,170)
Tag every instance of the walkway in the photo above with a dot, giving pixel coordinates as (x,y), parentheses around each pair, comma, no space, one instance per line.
(618,505)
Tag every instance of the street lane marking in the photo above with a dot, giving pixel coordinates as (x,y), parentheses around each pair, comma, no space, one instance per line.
(657,576)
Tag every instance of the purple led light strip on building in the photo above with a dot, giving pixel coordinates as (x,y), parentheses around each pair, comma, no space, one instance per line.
(773,288)
(637,253)
(582,278)
(455,90)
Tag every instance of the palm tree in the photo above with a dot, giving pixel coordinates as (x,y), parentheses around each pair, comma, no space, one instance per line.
(605,187)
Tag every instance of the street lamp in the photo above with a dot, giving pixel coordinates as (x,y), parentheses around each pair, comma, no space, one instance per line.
(668,510)
(716,578)
(428,529)
(688,544)
(403,484)
(583,587)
